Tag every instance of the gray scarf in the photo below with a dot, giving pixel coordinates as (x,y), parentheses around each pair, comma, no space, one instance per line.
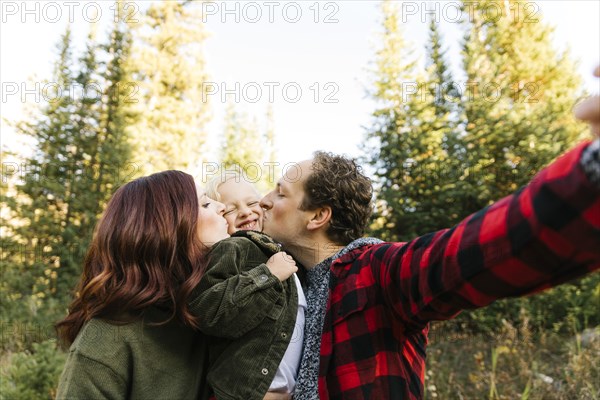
(590,162)
(317,292)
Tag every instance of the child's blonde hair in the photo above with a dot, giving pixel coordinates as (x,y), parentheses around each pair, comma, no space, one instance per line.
(212,185)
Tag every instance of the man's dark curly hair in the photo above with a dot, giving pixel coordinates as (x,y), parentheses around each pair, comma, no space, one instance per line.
(338,182)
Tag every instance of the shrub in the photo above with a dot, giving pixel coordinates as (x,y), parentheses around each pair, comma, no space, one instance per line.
(32,375)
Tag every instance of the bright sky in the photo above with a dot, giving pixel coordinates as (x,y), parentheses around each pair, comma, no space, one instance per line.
(322,48)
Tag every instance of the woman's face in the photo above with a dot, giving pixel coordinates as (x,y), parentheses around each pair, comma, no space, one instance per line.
(242,205)
(212,227)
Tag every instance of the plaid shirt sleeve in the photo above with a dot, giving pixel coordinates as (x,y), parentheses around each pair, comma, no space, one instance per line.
(545,234)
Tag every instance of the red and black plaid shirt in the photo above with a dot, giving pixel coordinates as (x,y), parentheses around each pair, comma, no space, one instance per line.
(383,296)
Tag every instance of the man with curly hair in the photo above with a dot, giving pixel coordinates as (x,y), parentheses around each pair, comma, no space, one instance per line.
(369,303)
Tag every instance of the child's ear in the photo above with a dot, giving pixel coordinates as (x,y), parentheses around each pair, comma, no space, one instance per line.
(320,218)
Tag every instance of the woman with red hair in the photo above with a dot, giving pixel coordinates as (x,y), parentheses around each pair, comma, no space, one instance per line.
(130,332)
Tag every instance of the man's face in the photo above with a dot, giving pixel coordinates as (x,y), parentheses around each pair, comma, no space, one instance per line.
(284,220)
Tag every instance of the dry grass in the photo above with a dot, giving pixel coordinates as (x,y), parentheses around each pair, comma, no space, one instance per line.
(514,364)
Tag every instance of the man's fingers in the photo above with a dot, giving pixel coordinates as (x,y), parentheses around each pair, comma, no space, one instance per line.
(589,110)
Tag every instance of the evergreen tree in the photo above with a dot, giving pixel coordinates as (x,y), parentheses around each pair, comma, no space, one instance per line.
(46,194)
(242,147)
(269,136)
(121,93)
(80,205)
(517,118)
(80,145)
(271,171)
(519,100)
(169,67)
(410,141)
(442,88)
(250,149)
(437,159)
(437,139)
(393,65)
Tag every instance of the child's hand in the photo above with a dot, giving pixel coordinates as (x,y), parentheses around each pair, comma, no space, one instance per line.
(282,265)
(277,396)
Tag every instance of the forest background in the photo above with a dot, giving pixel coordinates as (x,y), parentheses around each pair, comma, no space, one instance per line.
(447,134)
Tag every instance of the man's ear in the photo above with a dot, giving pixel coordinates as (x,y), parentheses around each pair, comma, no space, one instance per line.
(320,218)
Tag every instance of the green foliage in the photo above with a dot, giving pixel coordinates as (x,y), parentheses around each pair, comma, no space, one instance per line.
(82,154)
(439,156)
(44,240)
(82,147)
(246,149)
(518,113)
(169,72)
(32,375)
(241,145)
(413,141)
(564,309)
(82,144)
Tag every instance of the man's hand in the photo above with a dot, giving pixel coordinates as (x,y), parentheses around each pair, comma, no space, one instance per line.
(589,110)
(282,265)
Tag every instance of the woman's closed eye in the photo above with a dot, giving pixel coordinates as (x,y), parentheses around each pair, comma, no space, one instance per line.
(205,201)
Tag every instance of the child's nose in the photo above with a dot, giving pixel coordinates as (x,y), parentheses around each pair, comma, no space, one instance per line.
(245,210)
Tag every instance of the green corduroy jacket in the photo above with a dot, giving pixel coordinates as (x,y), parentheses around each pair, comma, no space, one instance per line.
(248,313)
(136,361)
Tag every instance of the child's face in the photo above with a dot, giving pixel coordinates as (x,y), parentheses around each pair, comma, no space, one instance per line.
(242,208)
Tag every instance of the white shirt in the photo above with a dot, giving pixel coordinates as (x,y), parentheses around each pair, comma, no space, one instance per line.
(287,372)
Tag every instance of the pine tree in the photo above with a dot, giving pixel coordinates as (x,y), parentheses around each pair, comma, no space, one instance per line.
(169,67)
(269,136)
(80,143)
(517,117)
(393,65)
(409,143)
(242,147)
(45,196)
(436,143)
(271,171)
(442,87)
(519,101)
(121,93)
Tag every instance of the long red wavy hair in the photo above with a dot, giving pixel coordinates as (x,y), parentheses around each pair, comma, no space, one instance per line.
(145,252)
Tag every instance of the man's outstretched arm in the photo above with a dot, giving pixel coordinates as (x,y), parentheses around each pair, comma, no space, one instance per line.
(545,234)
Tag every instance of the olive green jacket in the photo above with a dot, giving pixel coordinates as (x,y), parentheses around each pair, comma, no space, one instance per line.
(248,313)
(135,361)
